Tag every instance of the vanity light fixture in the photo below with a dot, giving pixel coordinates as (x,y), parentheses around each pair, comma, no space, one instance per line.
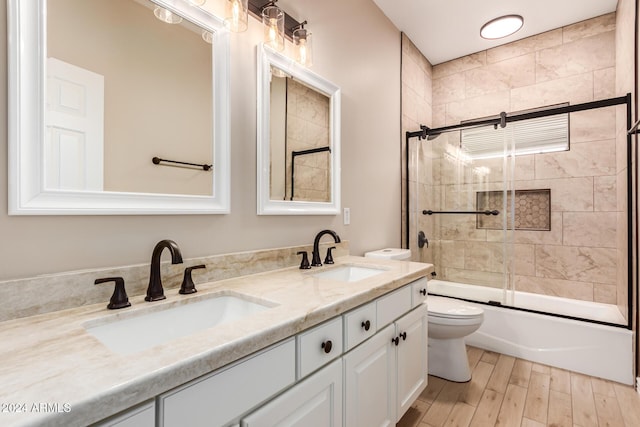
(501,27)
(236,15)
(273,22)
(302,43)
(207,36)
(166,16)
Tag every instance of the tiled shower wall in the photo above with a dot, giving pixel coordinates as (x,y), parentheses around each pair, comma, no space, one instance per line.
(579,257)
(307,128)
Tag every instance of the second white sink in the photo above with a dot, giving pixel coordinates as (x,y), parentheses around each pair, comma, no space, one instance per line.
(349,273)
(159,325)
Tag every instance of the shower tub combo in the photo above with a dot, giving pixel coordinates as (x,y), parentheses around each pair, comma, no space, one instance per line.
(532,332)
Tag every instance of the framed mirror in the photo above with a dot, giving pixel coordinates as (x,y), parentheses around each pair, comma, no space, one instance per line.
(117,107)
(298,139)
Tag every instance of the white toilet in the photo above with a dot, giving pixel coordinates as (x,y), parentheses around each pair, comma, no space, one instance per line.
(450,320)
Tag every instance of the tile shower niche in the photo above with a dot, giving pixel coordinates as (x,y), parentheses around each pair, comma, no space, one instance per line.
(532,209)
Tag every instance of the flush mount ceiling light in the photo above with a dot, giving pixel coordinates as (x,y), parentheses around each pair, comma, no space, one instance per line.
(501,27)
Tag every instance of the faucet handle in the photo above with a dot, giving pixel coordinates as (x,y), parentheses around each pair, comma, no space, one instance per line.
(119,299)
(329,258)
(304,265)
(188,287)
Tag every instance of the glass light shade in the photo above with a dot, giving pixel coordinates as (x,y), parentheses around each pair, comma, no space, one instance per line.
(236,15)
(501,27)
(273,22)
(197,2)
(303,48)
(166,16)
(207,36)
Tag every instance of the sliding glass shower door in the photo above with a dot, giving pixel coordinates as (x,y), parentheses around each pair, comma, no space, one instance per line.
(464,208)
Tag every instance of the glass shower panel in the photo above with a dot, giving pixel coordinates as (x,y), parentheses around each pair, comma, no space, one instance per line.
(466,248)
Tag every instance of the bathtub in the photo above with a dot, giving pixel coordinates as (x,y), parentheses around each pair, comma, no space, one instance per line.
(604,351)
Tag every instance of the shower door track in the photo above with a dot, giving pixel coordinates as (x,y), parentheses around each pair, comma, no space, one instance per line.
(502,120)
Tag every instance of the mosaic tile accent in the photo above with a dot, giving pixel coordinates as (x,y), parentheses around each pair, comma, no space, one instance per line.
(532,209)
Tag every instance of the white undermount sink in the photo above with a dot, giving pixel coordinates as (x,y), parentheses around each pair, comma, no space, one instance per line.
(349,273)
(159,325)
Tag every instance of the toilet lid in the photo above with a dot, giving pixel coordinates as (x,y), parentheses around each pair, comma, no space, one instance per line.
(451,308)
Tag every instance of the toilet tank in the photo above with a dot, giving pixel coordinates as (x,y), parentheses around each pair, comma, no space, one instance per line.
(390,253)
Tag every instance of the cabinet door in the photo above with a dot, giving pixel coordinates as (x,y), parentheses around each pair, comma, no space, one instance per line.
(412,357)
(314,402)
(370,384)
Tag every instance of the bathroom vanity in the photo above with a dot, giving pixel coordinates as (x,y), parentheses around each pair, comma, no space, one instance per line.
(344,347)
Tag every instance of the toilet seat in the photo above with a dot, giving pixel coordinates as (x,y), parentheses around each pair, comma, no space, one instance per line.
(447,308)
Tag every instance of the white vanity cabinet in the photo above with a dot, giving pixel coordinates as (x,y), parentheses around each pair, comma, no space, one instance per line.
(385,374)
(222,397)
(314,402)
(363,368)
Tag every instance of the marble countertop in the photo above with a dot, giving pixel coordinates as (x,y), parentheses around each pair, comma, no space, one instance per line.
(54,373)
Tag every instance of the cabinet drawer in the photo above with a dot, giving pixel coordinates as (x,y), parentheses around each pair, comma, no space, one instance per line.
(140,416)
(359,325)
(393,305)
(318,346)
(223,396)
(419,292)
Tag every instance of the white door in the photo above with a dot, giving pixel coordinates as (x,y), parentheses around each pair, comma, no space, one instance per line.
(314,402)
(74,135)
(412,357)
(370,382)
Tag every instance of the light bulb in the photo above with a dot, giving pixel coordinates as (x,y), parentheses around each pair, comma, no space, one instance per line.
(236,15)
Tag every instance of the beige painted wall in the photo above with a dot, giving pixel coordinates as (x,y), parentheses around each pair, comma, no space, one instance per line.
(364,63)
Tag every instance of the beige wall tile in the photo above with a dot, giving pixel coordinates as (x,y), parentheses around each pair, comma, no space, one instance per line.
(595,158)
(577,263)
(479,106)
(577,57)
(575,90)
(551,237)
(555,287)
(604,194)
(501,76)
(473,277)
(567,194)
(449,88)
(589,27)
(605,293)
(524,259)
(593,125)
(458,227)
(604,83)
(459,65)
(593,229)
(413,76)
(525,46)
(484,256)
(452,253)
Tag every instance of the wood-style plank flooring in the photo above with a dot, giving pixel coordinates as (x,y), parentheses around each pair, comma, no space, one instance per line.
(510,392)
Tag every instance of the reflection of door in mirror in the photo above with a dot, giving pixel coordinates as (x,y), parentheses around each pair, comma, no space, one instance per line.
(157,95)
(299,141)
(73,142)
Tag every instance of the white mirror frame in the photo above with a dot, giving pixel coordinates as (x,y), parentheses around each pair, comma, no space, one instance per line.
(266,58)
(26,63)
